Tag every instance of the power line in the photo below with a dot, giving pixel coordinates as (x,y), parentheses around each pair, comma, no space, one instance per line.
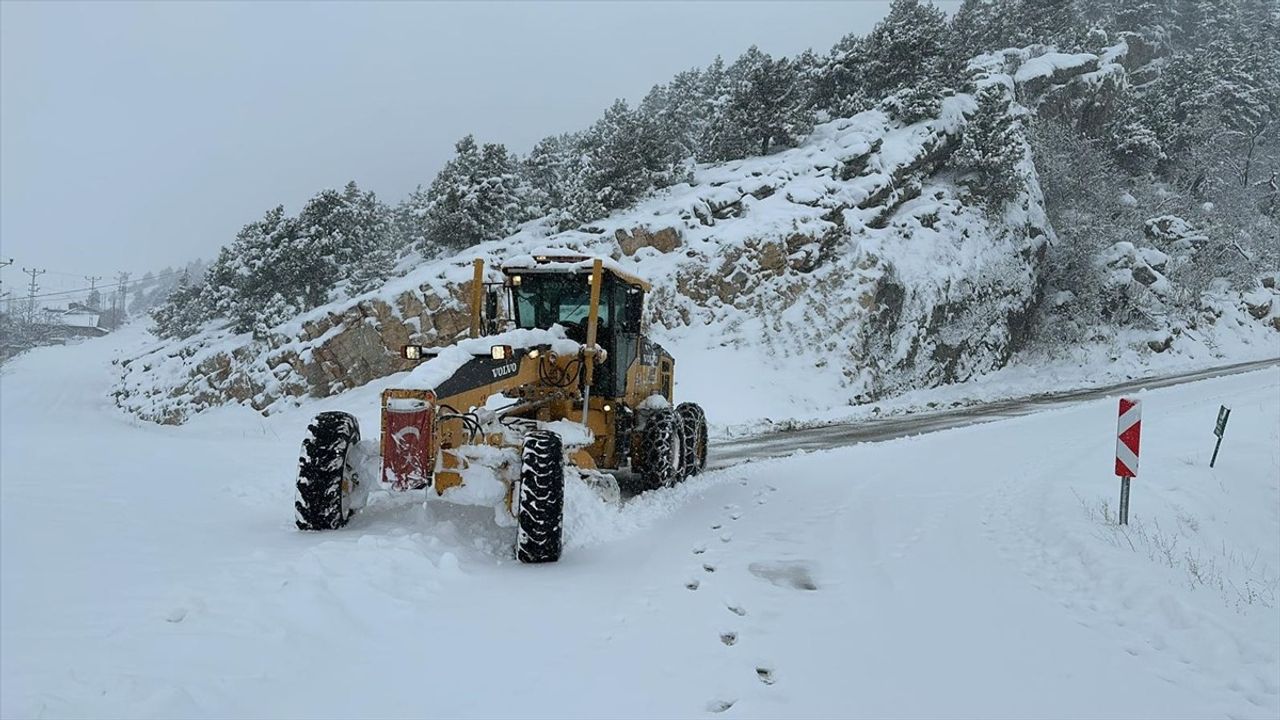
(81,291)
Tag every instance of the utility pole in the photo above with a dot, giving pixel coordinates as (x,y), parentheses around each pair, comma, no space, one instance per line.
(122,278)
(95,298)
(31,294)
(4,264)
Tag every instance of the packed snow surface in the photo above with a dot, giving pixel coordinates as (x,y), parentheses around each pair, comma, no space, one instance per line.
(153,571)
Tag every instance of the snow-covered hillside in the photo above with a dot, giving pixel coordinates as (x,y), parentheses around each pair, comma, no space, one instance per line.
(152,571)
(849,257)
(855,266)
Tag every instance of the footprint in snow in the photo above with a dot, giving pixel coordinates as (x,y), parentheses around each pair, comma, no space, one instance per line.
(765,675)
(737,610)
(726,537)
(717,526)
(692,585)
(735,516)
(708,567)
(729,638)
(699,549)
(719,706)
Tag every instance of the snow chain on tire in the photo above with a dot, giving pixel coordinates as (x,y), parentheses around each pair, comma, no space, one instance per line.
(662,456)
(540,518)
(325,477)
(694,421)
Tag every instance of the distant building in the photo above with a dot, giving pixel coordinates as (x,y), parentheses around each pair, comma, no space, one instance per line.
(75,321)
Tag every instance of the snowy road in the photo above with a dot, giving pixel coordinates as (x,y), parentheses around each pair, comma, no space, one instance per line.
(730,452)
(154,572)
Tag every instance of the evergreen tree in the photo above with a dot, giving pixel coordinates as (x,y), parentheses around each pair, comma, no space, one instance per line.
(551,171)
(270,258)
(477,196)
(1051,22)
(409,220)
(992,148)
(767,106)
(837,86)
(623,158)
(181,314)
(687,112)
(1134,144)
(908,46)
(349,236)
(919,101)
(973,30)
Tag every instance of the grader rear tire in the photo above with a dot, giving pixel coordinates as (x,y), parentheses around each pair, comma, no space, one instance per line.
(662,456)
(325,475)
(694,421)
(540,517)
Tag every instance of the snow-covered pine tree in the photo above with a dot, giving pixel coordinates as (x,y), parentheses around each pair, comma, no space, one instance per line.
(549,172)
(1051,22)
(973,30)
(1154,20)
(349,234)
(1133,143)
(714,88)
(477,196)
(625,157)
(409,220)
(273,258)
(837,86)
(992,149)
(182,313)
(905,48)
(687,112)
(767,106)
(918,101)
(218,291)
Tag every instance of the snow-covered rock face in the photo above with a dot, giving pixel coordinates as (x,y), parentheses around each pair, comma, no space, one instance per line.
(856,255)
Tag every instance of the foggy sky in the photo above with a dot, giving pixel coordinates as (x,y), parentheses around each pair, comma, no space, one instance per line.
(135,136)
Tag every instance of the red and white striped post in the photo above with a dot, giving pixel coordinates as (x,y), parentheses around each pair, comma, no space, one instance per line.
(1128,433)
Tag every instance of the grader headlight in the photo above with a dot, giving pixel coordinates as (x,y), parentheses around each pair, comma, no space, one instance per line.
(501,352)
(411,352)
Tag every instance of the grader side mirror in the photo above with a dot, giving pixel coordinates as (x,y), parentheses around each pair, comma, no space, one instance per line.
(634,311)
(491,304)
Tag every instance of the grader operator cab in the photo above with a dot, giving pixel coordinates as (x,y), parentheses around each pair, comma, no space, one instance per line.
(557,383)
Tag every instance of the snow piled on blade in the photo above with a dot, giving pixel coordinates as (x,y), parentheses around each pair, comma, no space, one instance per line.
(442,366)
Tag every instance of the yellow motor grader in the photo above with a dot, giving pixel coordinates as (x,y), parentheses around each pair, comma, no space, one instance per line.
(557,374)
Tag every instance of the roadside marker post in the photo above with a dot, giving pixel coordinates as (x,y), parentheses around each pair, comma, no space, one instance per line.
(1128,434)
(1220,429)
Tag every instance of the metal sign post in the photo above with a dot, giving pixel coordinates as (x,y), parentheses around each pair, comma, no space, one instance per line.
(1128,434)
(1224,412)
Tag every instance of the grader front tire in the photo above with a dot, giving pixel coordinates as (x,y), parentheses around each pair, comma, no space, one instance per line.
(325,475)
(540,517)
